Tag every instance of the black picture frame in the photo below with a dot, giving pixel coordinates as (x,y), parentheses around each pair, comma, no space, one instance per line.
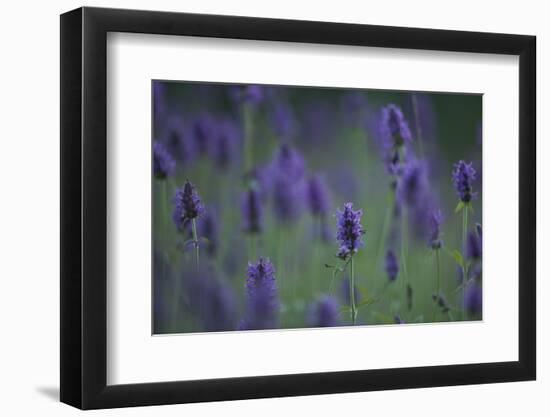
(84,207)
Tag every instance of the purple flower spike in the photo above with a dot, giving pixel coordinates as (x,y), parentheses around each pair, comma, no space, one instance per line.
(163,163)
(282,120)
(252,211)
(394,129)
(392,266)
(209,228)
(473,246)
(187,205)
(261,296)
(203,131)
(414,184)
(224,144)
(435,221)
(349,230)
(289,163)
(318,196)
(463,176)
(324,313)
(473,299)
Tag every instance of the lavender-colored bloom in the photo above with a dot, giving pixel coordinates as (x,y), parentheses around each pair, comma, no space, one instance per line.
(473,246)
(250,94)
(318,196)
(349,230)
(424,119)
(252,211)
(435,220)
(473,299)
(187,205)
(212,301)
(262,296)
(224,143)
(391,265)
(288,169)
(317,123)
(163,163)
(354,106)
(173,136)
(463,177)
(288,162)
(413,186)
(346,294)
(287,199)
(159,102)
(203,130)
(324,312)
(208,228)
(282,119)
(394,128)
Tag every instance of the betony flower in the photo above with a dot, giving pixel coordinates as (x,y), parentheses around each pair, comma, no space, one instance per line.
(324,312)
(473,246)
(163,163)
(187,205)
(413,185)
(473,298)
(394,128)
(212,301)
(282,119)
(252,211)
(208,228)
(435,221)
(349,230)
(262,299)
(463,177)
(391,265)
(224,143)
(318,196)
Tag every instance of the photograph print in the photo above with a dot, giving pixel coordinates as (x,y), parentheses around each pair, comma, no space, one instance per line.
(286,207)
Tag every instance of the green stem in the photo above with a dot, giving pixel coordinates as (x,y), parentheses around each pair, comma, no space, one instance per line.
(352,292)
(438,285)
(464,267)
(248,131)
(385,229)
(196,241)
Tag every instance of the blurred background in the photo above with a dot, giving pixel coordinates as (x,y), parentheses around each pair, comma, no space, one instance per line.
(271,166)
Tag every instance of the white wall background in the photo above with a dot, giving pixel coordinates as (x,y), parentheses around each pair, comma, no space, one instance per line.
(29,209)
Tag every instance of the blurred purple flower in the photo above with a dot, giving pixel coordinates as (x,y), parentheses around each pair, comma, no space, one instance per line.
(318,196)
(413,185)
(203,129)
(250,94)
(424,119)
(187,205)
(391,265)
(398,320)
(394,128)
(288,162)
(163,163)
(354,107)
(262,299)
(252,211)
(224,143)
(208,228)
(345,292)
(282,119)
(176,141)
(212,301)
(349,230)
(159,102)
(473,246)
(473,298)
(435,220)
(324,312)
(463,177)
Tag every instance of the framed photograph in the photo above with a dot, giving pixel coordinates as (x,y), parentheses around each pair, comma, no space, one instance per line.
(257,208)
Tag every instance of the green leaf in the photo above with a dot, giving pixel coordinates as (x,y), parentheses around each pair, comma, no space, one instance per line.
(459,206)
(458,257)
